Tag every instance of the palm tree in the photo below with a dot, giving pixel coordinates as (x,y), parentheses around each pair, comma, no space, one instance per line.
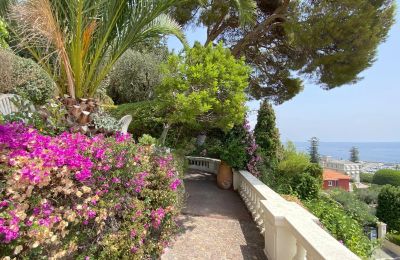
(79,41)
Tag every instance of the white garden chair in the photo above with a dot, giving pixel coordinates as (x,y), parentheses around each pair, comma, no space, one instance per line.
(7,106)
(124,122)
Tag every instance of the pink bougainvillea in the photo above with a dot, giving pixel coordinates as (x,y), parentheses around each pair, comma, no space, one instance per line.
(70,193)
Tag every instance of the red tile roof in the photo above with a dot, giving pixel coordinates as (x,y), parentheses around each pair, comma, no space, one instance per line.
(333,175)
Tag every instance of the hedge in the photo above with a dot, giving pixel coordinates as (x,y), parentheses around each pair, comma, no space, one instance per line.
(387,176)
(366,177)
(388,209)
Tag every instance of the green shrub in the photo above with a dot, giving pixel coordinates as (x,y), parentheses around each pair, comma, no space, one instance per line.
(394,238)
(366,177)
(3,34)
(147,140)
(369,195)
(306,186)
(145,118)
(354,207)
(388,209)
(293,162)
(25,78)
(387,176)
(134,77)
(341,226)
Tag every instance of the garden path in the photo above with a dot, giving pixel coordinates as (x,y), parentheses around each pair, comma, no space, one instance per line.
(215,224)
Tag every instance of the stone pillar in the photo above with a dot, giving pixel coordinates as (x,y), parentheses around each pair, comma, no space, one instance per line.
(381,229)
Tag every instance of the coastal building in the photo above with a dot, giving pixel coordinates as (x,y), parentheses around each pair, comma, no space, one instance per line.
(347,167)
(335,179)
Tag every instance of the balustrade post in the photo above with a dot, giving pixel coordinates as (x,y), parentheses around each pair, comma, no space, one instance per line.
(300,252)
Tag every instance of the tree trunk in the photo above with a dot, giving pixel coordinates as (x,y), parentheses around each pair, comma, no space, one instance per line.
(164,134)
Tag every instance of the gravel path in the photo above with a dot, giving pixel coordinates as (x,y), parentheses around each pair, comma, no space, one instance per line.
(214,225)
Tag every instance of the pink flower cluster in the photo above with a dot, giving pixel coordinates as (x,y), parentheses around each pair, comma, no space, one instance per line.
(251,151)
(157,217)
(54,184)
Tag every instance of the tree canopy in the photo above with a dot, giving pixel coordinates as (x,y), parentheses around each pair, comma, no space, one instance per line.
(204,88)
(286,41)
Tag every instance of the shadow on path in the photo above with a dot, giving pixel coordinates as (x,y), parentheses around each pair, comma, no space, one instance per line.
(215,224)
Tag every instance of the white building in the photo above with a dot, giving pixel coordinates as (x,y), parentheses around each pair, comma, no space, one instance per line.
(347,167)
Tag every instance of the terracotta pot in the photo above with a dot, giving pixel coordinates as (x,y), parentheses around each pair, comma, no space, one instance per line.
(225,176)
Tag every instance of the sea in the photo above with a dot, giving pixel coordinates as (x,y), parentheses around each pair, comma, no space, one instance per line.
(387,152)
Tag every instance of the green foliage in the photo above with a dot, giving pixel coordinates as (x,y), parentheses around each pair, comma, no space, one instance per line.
(341,226)
(354,154)
(339,40)
(305,186)
(369,195)
(234,147)
(25,78)
(293,162)
(204,88)
(147,140)
(105,122)
(3,34)
(87,37)
(313,150)
(387,176)
(354,207)
(49,119)
(388,209)
(296,175)
(145,117)
(330,42)
(267,138)
(366,177)
(135,76)
(394,237)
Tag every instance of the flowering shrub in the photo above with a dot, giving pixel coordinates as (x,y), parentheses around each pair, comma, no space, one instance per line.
(84,198)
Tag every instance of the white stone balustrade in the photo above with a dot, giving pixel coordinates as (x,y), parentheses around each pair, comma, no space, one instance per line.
(290,231)
(203,164)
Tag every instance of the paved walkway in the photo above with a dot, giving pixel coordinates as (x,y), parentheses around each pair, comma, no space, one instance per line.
(215,224)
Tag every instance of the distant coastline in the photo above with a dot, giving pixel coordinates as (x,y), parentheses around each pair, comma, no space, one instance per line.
(387,153)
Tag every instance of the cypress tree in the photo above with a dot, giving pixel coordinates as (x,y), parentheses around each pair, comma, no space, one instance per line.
(313,150)
(267,138)
(354,154)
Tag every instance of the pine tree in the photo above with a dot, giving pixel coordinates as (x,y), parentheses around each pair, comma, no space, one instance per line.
(354,154)
(313,150)
(267,138)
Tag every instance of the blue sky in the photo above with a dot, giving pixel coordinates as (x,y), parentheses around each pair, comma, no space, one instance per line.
(368,111)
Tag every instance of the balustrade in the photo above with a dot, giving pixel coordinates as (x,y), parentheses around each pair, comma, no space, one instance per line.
(290,231)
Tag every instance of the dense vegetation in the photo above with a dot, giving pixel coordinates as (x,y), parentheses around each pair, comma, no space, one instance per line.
(203,89)
(342,226)
(135,76)
(387,176)
(354,207)
(388,209)
(267,138)
(63,193)
(366,177)
(25,77)
(331,42)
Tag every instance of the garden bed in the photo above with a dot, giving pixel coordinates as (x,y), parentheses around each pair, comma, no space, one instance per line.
(86,198)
